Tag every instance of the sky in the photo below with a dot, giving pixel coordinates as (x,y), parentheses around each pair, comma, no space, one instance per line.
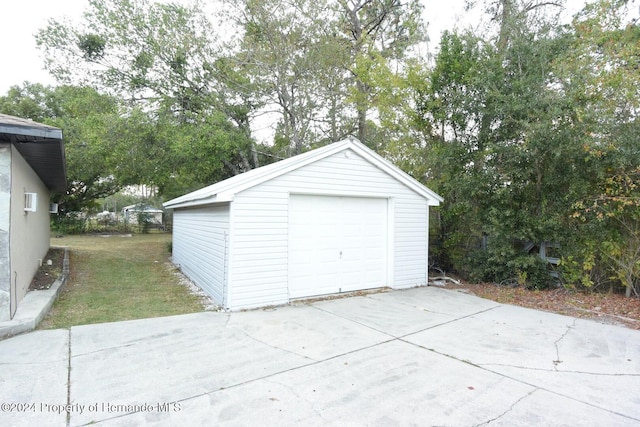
(23,18)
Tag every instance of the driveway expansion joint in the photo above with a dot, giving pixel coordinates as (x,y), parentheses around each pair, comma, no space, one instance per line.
(566,396)
(401,337)
(101,350)
(534,386)
(555,370)
(269,377)
(248,335)
(373,297)
(69,378)
(355,321)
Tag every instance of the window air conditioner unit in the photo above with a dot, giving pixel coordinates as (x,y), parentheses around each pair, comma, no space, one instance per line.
(30,202)
(53,208)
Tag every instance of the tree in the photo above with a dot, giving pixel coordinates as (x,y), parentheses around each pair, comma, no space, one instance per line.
(506,150)
(600,77)
(87,119)
(526,131)
(379,34)
(324,66)
(514,16)
(287,52)
(28,101)
(139,49)
(450,102)
(161,58)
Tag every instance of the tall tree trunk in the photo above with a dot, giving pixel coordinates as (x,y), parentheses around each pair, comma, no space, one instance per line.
(358,39)
(362,124)
(505,22)
(254,155)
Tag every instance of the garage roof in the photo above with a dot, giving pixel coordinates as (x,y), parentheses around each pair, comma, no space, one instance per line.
(224,191)
(40,145)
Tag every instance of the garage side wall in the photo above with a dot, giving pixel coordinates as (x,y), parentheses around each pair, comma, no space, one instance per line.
(200,246)
(260,226)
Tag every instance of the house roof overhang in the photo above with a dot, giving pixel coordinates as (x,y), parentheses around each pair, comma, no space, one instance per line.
(41,146)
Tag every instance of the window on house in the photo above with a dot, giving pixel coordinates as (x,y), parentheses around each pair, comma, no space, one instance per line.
(30,202)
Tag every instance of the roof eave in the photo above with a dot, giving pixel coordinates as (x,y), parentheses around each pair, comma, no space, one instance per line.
(47,159)
(41,146)
(31,131)
(192,202)
(225,193)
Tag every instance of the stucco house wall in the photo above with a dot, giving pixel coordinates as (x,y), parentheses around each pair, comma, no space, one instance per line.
(5,224)
(31,161)
(29,232)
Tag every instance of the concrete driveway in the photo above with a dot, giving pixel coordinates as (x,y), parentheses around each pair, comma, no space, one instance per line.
(424,356)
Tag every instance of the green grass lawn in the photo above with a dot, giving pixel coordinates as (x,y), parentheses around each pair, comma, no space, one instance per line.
(118,278)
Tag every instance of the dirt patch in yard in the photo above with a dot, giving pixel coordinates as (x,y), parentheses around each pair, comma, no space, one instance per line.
(605,308)
(47,274)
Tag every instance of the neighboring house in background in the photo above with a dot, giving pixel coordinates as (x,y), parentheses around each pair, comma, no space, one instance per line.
(130,213)
(336,219)
(32,166)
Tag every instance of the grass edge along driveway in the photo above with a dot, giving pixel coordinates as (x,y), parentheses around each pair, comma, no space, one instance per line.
(119,277)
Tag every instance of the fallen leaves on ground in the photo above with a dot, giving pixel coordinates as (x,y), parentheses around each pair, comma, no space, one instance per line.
(605,308)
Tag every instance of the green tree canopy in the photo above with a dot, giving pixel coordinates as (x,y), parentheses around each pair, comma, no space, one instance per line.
(163,59)
(87,119)
(524,127)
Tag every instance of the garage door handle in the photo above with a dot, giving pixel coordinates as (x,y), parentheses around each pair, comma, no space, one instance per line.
(340,254)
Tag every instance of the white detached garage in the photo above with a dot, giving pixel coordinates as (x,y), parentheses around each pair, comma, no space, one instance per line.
(336,219)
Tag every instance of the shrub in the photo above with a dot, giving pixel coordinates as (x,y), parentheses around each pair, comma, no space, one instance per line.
(144,222)
(496,265)
(71,223)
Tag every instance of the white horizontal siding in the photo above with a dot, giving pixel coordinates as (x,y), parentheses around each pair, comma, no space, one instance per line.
(259,253)
(411,245)
(260,226)
(199,246)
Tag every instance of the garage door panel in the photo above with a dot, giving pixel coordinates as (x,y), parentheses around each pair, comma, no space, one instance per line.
(336,244)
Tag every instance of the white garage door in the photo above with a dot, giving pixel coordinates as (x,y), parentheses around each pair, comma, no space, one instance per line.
(336,244)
